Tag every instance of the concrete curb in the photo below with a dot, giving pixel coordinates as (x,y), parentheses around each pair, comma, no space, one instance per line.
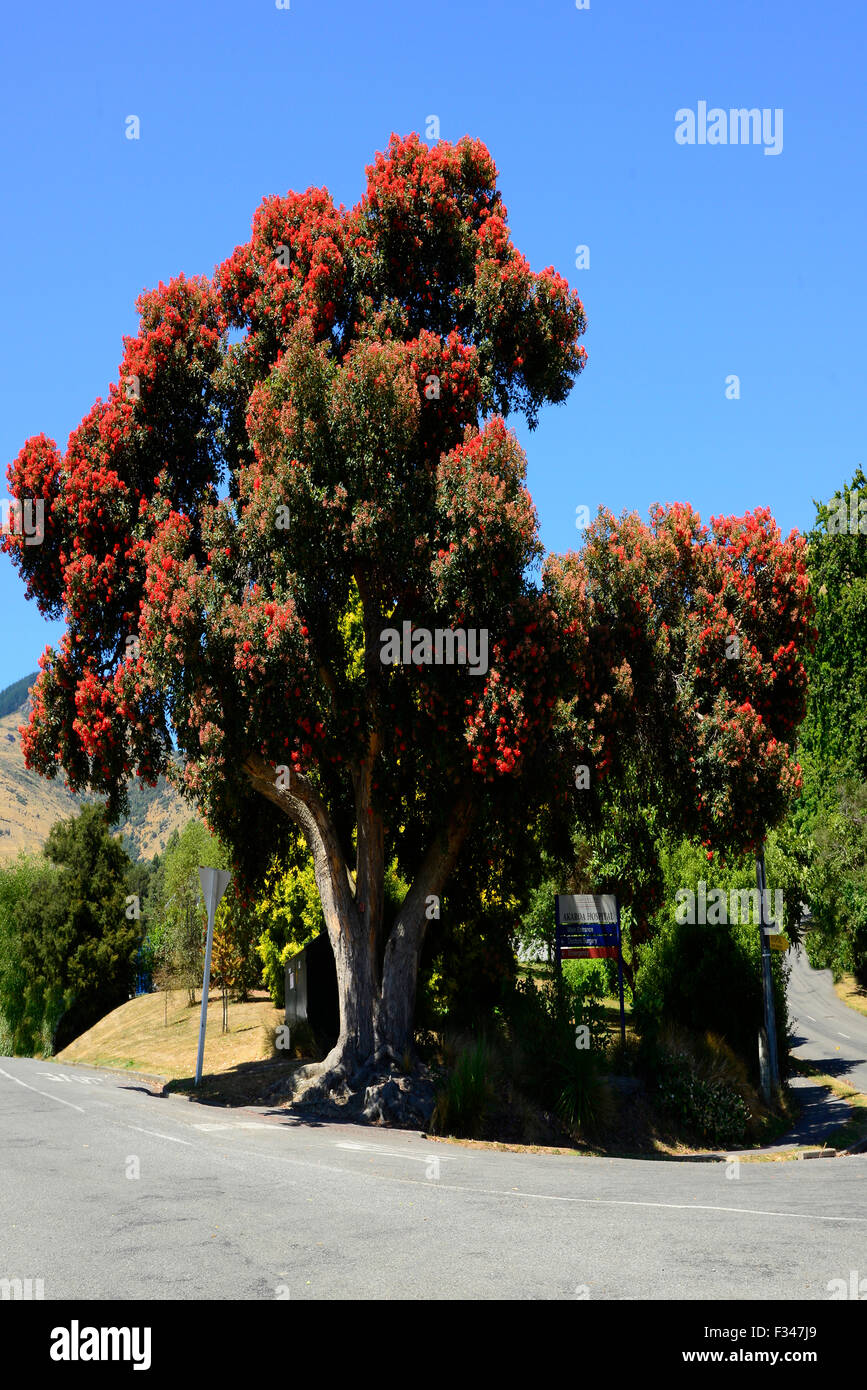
(789,1152)
(785,1152)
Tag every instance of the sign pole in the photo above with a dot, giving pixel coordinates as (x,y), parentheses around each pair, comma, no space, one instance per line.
(767,983)
(214,884)
(620,978)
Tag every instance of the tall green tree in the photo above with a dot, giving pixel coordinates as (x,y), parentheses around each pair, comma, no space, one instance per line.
(179,918)
(707,976)
(28,1011)
(839,883)
(79,938)
(834,732)
(235,965)
(828,824)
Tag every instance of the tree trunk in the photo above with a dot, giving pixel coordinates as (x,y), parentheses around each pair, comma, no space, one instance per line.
(376,1014)
(353,949)
(403,948)
(357,996)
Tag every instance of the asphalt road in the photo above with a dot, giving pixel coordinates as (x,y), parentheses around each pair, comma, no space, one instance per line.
(829,1034)
(826,1030)
(254,1205)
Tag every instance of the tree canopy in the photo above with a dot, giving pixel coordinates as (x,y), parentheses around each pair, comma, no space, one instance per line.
(309,449)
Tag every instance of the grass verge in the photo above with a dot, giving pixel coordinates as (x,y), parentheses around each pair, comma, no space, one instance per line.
(852,994)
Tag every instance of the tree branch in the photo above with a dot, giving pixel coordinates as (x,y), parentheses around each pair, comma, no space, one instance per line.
(303,804)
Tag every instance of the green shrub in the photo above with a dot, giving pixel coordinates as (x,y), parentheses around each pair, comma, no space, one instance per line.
(546,1061)
(534,1055)
(701,1084)
(463,1099)
(591,978)
(584,1102)
(709,978)
(838,890)
(465,961)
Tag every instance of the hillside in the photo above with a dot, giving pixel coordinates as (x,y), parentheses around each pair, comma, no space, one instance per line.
(158,1034)
(15,695)
(30,804)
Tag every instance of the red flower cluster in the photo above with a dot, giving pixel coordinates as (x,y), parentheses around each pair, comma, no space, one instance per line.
(355,496)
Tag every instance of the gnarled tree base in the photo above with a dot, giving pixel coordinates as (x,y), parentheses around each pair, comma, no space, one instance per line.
(377,1092)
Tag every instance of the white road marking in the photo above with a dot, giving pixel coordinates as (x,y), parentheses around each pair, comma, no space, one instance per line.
(155,1132)
(845,1035)
(363,1173)
(665,1206)
(47,1094)
(60,1076)
(240,1124)
(811,1018)
(392,1153)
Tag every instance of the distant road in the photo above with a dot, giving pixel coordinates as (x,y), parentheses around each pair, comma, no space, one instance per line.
(827,1031)
(252,1204)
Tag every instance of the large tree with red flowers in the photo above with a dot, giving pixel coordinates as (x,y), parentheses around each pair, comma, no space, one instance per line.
(309,449)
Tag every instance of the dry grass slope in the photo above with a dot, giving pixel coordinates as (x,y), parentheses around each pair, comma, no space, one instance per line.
(146,1035)
(848,989)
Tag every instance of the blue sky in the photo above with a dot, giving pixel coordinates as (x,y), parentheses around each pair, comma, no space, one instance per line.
(705,261)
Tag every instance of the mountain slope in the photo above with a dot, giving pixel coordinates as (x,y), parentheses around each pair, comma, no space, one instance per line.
(30,804)
(15,695)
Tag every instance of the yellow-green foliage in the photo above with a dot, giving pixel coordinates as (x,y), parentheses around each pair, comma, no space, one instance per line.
(290,912)
(395,888)
(351,625)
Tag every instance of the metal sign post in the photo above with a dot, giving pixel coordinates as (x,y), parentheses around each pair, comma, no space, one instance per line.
(588,925)
(767,983)
(214,884)
(620,979)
